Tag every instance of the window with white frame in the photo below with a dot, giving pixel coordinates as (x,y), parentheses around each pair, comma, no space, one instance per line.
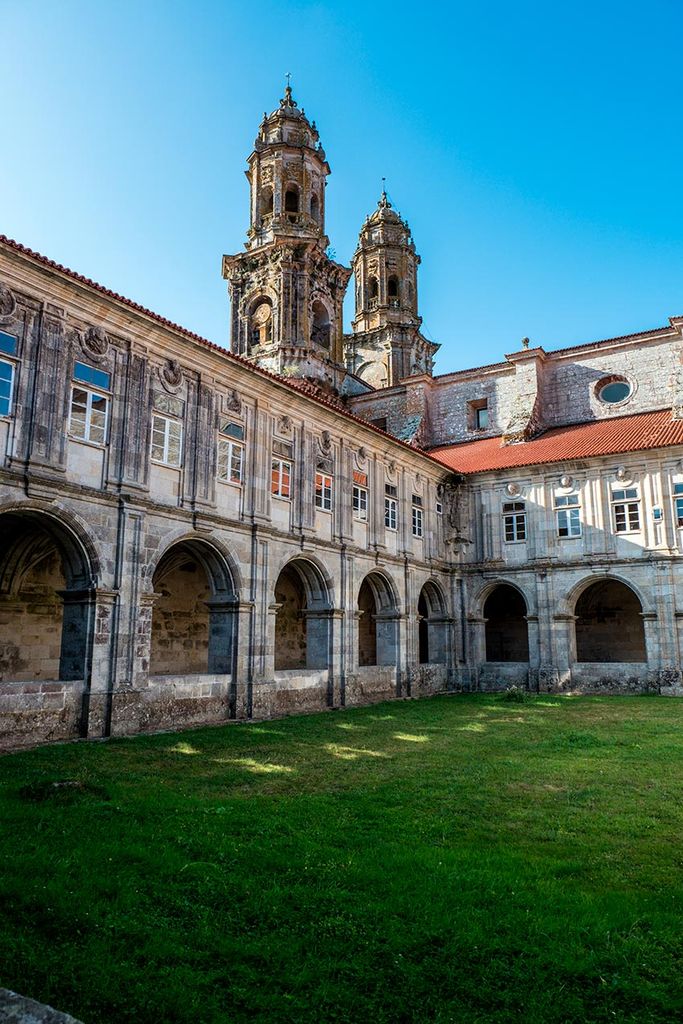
(8,346)
(391,507)
(231,452)
(568,515)
(514,521)
(360,496)
(167,430)
(281,471)
(626,509)
(89,403)
(323,488)
(418,516)
(678,503)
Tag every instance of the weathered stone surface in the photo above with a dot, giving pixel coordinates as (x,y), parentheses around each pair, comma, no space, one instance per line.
(16,1009)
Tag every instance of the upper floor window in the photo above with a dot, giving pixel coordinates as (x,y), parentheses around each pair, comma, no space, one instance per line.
(391,507)
(568,515)
(613,390)
(380,421)
(678,503)
(167,429)
(292,199)
(478,414)
(231,452)
(514,521)
(360,496)
(281,469)
(323,491)
(392,290)
(261,322)
(373,291)
(8,345)
(626,509)
(89,405)
(418,516)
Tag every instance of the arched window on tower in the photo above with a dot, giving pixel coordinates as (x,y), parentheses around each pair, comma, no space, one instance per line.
(261,322)
(266,201)
(320,328)
(292,200)
(373,292)
(392,290)
(315,208)
(409,293)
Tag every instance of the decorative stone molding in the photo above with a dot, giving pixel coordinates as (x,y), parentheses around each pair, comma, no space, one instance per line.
(8,303)
(284,425)
(513,490)
(171,375)
(95,341)
(232,402)
(325,443)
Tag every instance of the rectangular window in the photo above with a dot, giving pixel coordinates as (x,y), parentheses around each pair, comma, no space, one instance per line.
(678,503)
(167,439)
(90,375)
(514,521)
(89,408)
(360,503)
(568,515)
(230,459)
(391,513)
(280,479)
(323,492)
(439,508)
(8,344)
(626,505)
(380,421)
(478,414)
(417,521)
(6,384)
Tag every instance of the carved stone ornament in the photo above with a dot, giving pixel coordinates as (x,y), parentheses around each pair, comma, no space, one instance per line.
(391,468)
(171,373)
(361,456)
(284,425)
(325,442)
(513,490)
(232,401)
(566,481)
(622,473)
(95,341)
(7,301)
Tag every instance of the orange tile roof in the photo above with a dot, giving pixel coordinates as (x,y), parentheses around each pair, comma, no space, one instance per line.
(614,436)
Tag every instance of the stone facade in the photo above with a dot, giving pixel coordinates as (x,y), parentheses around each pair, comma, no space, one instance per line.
(191,535)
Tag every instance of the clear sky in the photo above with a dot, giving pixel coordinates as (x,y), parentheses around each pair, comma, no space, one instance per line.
(535,148)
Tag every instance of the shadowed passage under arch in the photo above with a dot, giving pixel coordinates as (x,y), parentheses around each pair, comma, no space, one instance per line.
(302,617)
(378,622)
(507,633)
(195,612)
(432,625)
(609,623)
(46,599)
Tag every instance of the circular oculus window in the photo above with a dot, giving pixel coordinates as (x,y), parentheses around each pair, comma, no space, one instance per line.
(613,390)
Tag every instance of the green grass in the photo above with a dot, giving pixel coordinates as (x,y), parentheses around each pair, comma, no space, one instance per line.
(457,859)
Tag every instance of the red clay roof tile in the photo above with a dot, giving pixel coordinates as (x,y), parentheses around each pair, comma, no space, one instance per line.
(614,436)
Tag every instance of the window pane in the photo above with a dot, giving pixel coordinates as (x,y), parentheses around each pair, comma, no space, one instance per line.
(236,464)
(90,375)
(8,344)
(679,511)
(6,370)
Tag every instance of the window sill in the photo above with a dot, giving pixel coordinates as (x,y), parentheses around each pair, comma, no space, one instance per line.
(166,465)
(100,445)
(230,483)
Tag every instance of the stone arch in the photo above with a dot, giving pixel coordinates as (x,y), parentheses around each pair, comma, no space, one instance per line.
(266,201)
(378,620)
(609,622)
(320,324)
(194,617)
(505,613)
(260,320)
(48,574)
(303,605)
(292,198)
(393,291)
(373,289)
(432,625)
(315,207)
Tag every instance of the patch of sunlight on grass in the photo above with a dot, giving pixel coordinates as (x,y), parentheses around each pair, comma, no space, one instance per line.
(410,738)
(257,767)
(350,727)
(183,748)
(263,731)
(351,753)
(472,727)
(381,718)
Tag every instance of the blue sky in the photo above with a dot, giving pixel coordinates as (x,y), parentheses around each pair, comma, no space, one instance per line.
(536,150)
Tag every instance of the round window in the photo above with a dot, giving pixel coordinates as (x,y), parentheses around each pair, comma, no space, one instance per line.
(613,391)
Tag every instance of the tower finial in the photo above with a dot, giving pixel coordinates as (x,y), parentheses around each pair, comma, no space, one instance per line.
(287,100)
(383,201)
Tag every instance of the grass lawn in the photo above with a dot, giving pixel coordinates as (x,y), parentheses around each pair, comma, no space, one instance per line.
(456,859)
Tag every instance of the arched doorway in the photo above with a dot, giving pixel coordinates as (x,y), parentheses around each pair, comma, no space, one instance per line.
(432,625)
(194,614)
(320,328)
(302,617)
(609,624)
(378,622)
(507,634)
(47,600)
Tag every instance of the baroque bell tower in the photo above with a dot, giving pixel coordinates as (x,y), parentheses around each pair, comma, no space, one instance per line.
(286,292)
(386,344)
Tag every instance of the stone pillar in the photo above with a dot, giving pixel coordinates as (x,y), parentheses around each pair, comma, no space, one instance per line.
(533,634)
(477,629)
(243,660)
(221,635)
